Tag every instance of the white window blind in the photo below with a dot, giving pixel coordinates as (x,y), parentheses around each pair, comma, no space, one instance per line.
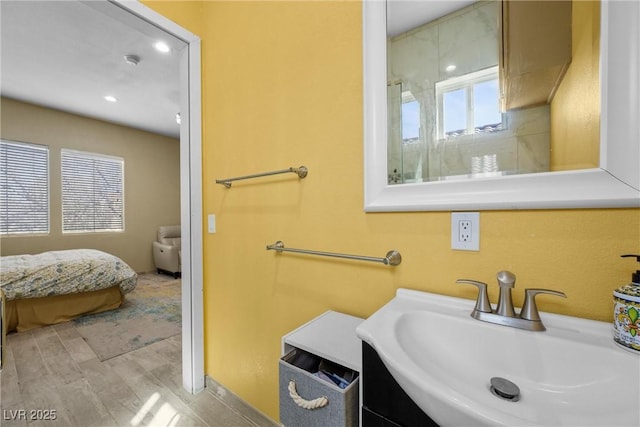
(24,188)
(92,192)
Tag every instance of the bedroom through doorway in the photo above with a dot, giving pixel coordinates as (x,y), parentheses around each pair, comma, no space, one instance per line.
(76,86)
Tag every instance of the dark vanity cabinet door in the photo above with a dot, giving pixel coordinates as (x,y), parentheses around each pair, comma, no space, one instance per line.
(384,402)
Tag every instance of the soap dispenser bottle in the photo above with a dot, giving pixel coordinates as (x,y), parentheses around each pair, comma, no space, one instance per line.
(626,312)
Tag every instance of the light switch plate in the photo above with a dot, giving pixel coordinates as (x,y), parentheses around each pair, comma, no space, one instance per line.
(465,231)
(212,223)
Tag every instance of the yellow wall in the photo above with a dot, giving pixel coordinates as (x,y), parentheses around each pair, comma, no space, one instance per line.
(575,109)
(282,86)
(151,173)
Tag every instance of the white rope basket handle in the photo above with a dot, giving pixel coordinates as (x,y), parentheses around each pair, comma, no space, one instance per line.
(303,403)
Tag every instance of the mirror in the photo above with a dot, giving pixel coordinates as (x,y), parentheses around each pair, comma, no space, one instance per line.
(456,169)
(486,89)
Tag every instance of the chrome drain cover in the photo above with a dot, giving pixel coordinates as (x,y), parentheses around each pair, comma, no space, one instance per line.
(505,389)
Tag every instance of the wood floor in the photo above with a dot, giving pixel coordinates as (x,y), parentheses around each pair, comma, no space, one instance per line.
(72,387)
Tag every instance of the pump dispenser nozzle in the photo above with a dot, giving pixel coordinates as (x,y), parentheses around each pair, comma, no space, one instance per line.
(635,277)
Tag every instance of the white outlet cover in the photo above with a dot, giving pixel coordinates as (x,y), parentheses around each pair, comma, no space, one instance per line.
(463,239)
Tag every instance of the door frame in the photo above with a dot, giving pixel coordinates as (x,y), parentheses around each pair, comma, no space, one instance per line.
(193,377)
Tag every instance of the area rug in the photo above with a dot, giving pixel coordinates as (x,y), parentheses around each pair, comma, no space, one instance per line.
(150,313)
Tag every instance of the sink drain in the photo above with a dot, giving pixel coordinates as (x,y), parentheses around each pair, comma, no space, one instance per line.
(505,389)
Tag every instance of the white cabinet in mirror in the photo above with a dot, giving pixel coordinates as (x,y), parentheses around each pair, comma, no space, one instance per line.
(615,183)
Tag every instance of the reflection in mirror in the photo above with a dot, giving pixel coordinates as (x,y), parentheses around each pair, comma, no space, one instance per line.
(492,88)
(614,183)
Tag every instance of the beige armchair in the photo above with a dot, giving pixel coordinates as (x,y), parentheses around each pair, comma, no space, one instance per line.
(167,250)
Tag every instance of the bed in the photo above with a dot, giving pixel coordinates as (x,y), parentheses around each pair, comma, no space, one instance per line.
(57,286)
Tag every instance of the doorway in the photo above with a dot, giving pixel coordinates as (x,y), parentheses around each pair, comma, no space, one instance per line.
(45,85)
(191,195)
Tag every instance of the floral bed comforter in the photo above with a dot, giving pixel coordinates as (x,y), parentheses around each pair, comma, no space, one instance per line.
(63,272)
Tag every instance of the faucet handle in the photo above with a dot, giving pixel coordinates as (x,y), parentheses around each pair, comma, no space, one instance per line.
(482,303)
(506,279)
(529,309)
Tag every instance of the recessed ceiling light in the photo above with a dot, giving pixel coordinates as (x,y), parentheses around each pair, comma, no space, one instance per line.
(450,68)
(178,119)
(162,47)
(111,98)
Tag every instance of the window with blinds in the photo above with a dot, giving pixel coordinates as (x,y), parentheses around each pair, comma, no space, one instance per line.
(24,188)
(92,192)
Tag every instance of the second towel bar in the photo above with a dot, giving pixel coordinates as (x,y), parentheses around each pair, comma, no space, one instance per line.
(392,258)
(302,171)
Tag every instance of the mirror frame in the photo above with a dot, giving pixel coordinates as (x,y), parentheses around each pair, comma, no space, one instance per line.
(616,183)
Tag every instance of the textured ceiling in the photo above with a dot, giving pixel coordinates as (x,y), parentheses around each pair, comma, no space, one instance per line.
(404,15)
(68,55)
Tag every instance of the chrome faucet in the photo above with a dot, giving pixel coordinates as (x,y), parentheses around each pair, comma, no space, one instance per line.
(504,314)
(506,281)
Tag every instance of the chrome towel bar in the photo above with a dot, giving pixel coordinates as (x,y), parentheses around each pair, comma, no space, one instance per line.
(302,171)
(392,258)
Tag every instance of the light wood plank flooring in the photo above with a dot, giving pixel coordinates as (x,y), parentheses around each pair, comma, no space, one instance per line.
(53,369)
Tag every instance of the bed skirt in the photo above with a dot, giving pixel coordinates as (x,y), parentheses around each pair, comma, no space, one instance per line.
(24,314)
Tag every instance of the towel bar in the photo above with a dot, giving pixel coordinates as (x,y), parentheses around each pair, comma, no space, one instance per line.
(302,171)
(392,258)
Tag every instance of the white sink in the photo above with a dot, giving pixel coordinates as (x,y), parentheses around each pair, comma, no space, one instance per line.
(572,374)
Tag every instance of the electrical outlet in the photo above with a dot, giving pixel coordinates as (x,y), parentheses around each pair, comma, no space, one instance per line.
(465,231)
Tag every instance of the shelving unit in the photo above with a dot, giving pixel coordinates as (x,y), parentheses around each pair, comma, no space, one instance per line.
(332,338)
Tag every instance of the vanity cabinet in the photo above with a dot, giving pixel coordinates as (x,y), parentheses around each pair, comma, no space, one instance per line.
(384,402)
(325,346)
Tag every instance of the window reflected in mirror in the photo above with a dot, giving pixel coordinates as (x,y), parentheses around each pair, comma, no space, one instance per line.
(494,88)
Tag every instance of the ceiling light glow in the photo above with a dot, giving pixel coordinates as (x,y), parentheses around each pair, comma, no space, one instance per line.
(178,119)
(111,98)
(162,47)
(450,68)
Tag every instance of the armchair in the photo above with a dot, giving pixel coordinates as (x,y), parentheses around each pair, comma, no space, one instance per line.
(167,250)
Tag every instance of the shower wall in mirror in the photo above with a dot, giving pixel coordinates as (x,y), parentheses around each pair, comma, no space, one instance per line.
(465,101)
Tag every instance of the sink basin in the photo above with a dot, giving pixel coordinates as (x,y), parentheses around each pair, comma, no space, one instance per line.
(572,374)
